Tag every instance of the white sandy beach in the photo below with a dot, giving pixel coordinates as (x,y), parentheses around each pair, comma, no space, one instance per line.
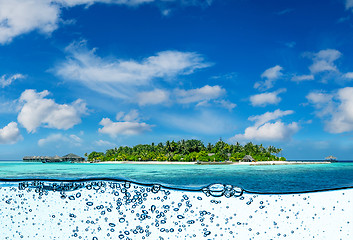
(210,163)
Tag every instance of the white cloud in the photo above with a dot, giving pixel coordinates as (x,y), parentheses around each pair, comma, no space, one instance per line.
(10,134)
(269,116)
(277,131)
(267,98)
(268,127)
(59,138)
(302,78)
(23,16)
(39,111)
(156,96)
(323,102)
(7,80)
(336,109)
(121,78)
(226,104)
(203,94)
(227,76)
(19,17)
(270,75)
(103,143)
(323,60)
(72,3)
(132,116)
(348,75)
(200,96)
(129,125)
(324,67)
(319,98)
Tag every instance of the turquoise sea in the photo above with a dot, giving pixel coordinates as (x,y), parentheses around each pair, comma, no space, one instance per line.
(266,178)
(133,201)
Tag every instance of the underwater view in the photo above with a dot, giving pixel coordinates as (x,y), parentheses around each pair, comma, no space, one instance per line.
(108,208)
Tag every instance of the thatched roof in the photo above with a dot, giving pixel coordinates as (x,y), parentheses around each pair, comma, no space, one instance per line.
(330,158)
(248,158)
(71,155)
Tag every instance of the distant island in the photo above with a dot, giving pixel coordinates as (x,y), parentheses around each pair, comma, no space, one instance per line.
(189,151)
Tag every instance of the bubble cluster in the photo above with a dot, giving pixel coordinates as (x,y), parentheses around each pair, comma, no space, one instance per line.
(123,210)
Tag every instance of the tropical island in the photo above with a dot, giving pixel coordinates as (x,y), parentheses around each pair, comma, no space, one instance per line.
(189,151)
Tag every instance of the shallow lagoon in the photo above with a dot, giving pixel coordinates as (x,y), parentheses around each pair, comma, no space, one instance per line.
(274,178)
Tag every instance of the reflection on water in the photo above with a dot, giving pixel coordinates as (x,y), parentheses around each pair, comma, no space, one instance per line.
(123,210)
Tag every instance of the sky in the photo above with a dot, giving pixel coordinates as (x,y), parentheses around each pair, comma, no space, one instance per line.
(89,75)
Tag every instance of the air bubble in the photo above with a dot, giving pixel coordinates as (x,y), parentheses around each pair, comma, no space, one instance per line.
(216,190)
(155,188)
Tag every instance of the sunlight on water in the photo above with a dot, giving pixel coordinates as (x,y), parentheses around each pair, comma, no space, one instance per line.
(122,210)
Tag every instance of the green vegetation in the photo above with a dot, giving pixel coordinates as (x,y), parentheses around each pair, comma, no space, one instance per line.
(188,151)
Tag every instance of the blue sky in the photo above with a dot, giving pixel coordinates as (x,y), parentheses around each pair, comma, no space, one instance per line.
(84,75)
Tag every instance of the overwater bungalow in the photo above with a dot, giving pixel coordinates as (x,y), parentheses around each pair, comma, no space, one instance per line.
(72,158)
(331,158)
(47,159)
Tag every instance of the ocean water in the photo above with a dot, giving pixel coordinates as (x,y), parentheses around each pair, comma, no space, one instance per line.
(126,201)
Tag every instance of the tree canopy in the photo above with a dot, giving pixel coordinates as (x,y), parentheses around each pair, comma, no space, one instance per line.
(188,151)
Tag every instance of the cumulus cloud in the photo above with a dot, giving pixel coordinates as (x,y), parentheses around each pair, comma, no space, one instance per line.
(324,67)
(269,127)
(19,17)
(336,109)
(277,131)
(270,75)
(7,80)
(323,60)
(55,138)
(128,124)
(156,96)
(203,94)
(10,134)
(122,78)
(37,110)
(319,98)
(264,99)
(23,16)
